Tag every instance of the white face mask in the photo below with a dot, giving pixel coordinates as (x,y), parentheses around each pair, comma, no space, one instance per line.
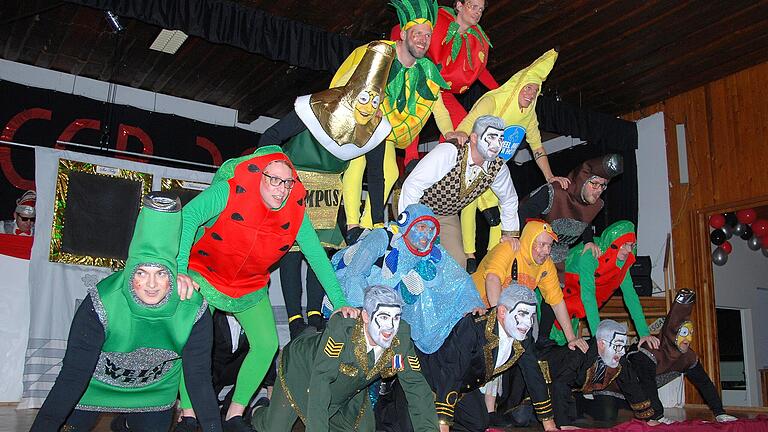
(520,320)
(614,350)
(489,143)
(383,325)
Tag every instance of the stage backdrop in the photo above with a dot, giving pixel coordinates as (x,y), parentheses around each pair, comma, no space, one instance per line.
(40,117)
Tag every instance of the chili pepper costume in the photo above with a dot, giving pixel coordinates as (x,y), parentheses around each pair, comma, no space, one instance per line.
(233,252)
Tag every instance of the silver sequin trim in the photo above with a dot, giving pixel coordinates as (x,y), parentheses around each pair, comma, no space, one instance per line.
(162,302)
(203,309)
(124,410)
(98,306)
(609,393)
(666,378)
(138,368)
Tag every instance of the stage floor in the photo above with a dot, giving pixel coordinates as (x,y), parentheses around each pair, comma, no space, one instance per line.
(12,420)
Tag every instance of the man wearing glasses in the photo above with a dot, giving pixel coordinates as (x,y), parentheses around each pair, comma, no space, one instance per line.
(23,222)
(233,233)
(596,374)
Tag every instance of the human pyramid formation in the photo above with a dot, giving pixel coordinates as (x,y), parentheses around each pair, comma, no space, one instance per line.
(420,336)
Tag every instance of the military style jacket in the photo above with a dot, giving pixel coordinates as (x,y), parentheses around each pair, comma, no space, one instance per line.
(466,361)
(327,374)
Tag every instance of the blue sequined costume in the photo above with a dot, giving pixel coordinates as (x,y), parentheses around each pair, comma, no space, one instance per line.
(437,291)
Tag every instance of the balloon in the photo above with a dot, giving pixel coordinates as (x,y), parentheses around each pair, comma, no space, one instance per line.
(746,216)
(760,227)
(727,247)
(765,252)
(716,221)
(764,242)
(730,219)
(754,243)
(728,230)
(739,229)
(719,257)
(717,237)
(747,234)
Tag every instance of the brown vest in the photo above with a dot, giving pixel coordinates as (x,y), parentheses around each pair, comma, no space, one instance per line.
(449,196)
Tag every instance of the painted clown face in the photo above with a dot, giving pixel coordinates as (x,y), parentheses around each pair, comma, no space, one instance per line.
(366,105)
(684,337)
(489,143)
(420,234)
(383,324)
(613,350)
(519,320)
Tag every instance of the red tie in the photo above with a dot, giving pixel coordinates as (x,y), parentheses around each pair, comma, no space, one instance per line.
(20,232)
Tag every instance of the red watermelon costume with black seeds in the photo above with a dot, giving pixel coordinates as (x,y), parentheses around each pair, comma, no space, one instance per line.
(238,240)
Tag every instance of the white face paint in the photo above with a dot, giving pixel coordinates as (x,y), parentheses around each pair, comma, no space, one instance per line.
(384,324)
(489,143)
(519,320)
(614,349)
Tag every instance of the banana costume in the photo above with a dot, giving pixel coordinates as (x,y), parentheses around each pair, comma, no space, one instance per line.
(521,122)
(407,104)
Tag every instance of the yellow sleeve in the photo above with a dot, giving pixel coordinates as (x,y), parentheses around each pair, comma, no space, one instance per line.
(532,133)
(485,105)
(442,117)
(499,262)
(549,284)
(348,67)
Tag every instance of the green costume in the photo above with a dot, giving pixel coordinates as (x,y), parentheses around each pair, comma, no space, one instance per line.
(322,380)
(590,282)
(237,240)
(139,368)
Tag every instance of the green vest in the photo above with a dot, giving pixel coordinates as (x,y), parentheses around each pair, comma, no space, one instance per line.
(139,367)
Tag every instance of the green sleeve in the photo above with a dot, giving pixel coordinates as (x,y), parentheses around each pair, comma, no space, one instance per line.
(316,257)
(633,305)
(204,207)
(418,393)
(586,265)
(325,369)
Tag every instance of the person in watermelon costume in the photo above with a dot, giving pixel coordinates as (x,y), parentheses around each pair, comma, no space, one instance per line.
(590,282)
(133,340)
(234,232)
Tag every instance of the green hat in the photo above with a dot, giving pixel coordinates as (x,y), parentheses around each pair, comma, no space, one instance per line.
(413,12)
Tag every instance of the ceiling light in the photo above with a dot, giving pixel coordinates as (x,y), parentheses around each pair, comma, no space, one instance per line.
(168,41)
(113,21)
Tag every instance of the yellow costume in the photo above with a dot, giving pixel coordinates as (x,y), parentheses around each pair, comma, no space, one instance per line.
(406,119)
(503,102)
(501,258)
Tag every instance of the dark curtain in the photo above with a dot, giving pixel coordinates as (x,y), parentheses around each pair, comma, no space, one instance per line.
(242,26)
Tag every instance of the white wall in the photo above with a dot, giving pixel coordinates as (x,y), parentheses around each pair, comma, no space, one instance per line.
(653,216)
(736,286)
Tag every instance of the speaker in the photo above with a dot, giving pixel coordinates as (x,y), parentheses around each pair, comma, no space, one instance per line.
(643,285)
(641,267)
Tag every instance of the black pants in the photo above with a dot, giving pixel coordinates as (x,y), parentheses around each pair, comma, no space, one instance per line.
(546,321)
(290,279)
(155,421)
(645,369)
(391,412)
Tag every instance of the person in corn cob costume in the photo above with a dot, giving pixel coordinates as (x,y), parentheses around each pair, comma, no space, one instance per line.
(412,88)
(515,103)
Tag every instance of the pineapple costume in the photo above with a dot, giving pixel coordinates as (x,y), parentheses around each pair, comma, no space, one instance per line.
(410,95)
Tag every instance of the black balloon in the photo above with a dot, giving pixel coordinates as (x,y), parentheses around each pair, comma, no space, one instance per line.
(747,234)
(728,230)
(730,219)
(739,229)
(717,237)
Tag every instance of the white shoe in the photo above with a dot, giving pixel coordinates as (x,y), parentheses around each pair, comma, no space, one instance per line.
(724,418)
(665,420)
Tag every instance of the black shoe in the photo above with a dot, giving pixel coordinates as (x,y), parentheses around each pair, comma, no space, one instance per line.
(186,424)
(296,327)
(353,234)
(521,416)
(471,265)
(317,321)
(119,424)
(237,424)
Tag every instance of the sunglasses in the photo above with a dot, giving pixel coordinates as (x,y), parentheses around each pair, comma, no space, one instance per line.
(598,185)
(26,219)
